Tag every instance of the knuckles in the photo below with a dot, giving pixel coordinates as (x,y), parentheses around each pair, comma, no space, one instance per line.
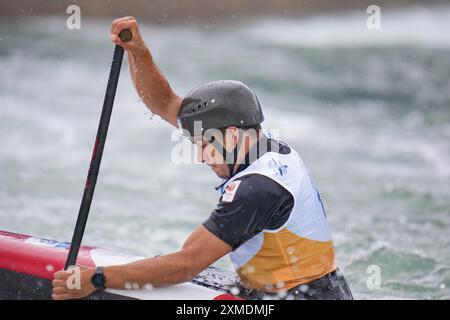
(126,21)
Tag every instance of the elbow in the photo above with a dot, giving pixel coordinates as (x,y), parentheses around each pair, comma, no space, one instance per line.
(189,273)
(189,268)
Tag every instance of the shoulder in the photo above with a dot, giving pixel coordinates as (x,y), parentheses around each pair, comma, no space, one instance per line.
(252,187)
(250,204)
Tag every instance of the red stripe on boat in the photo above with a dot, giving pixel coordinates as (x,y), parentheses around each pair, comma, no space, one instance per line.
(36,256)
(227,296)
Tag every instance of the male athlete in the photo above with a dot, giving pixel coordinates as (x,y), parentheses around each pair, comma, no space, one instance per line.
(269,218)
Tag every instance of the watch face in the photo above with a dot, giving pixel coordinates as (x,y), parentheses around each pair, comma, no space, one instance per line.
(98,280)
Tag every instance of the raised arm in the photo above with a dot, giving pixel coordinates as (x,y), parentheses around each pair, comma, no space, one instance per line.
(150,84)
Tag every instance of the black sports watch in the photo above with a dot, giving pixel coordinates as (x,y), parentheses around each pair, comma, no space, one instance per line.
(98,279)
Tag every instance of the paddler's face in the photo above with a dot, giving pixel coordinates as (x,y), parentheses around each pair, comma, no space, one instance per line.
(210,155)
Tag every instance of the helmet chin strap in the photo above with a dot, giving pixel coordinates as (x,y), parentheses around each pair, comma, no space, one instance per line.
(227,155)
(233,153)
(231,165)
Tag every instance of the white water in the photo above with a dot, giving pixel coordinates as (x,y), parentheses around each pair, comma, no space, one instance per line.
(368,111)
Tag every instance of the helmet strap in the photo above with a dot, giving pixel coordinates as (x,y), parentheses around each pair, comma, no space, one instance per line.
(233,154)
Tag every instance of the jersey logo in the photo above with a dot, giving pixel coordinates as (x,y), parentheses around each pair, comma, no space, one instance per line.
(278,167)
(230,191)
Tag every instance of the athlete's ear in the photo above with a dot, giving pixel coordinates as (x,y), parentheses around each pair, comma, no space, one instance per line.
(232,134)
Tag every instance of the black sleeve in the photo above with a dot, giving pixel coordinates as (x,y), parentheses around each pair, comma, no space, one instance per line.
(259,203)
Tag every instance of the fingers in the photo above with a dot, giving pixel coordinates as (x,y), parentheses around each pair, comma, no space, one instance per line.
(63,274)
(60,290)
(121,24)
(136,44)
(58,283)
(116,21)
(73,283)
(116,40)
(64,296)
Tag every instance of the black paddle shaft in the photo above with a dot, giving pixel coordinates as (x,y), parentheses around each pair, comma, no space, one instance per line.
(125,36)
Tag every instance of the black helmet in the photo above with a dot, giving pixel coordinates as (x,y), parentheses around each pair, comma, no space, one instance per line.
(220,104)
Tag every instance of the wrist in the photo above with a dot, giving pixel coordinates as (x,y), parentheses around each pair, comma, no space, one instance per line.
(141,53)
(98,279)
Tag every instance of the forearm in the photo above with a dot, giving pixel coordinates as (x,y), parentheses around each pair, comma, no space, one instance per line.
(157,272)
(150,84)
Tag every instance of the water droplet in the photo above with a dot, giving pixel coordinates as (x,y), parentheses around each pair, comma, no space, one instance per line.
(290,250)
(269,287)
(136,286)
(235,291)
(304,287)
(282,294)
(250,269)
(148,287)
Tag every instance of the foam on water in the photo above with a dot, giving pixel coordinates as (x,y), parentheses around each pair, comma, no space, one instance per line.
(416,26)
